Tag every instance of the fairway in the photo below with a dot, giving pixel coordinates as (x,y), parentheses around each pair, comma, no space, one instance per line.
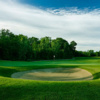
(48,85)
(55,74)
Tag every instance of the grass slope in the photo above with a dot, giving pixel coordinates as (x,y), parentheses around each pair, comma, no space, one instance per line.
(17,89)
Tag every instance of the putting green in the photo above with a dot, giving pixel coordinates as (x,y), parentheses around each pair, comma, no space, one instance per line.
(55,74)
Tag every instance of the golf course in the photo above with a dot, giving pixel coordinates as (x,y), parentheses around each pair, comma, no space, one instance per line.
(67,79)
(49,49)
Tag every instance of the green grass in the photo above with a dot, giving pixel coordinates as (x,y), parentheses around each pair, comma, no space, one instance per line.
(20,89)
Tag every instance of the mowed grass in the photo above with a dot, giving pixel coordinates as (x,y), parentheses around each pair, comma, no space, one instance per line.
(20,89)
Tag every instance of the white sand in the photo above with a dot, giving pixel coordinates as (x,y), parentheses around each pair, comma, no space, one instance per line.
(55,74)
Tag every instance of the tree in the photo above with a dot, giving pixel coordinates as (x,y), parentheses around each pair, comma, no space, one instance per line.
(73,46)
(61,48)
(45,48)
(34,46)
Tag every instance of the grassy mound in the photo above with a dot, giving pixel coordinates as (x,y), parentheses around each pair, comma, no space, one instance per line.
(20,89)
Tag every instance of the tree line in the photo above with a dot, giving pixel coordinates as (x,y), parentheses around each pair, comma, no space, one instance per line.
(21,47)
(88,53)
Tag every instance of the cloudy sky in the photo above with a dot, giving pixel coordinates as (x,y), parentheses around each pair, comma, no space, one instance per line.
(77,20)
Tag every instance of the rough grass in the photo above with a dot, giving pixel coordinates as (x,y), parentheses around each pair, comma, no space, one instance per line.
(19,89)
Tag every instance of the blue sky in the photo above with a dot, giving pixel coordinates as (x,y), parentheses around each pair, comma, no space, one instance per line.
(80,4)
(77,20)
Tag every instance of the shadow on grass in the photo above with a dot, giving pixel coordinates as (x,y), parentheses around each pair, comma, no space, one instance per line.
(6,72)
(96,75)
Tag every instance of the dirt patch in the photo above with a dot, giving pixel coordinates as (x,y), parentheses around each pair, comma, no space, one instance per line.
(55,74)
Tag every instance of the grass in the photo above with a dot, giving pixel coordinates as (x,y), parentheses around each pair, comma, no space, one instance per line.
(20,89)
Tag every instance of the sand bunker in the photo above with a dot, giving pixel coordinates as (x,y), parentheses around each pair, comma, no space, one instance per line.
(55,74)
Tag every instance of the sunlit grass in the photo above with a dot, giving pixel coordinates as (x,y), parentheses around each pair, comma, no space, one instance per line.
(20,89)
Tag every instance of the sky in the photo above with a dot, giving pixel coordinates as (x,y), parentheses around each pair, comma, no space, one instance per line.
(77,20)
(64,3)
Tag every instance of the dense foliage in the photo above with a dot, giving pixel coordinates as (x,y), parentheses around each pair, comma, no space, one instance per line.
(89,53)
(20,47)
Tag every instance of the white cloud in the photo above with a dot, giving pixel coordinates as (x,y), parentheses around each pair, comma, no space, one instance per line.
(83,26)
